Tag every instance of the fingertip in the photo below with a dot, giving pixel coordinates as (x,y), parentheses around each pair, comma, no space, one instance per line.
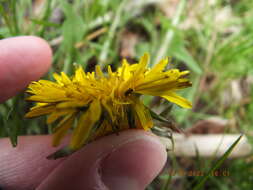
(134,165)
(130,160)
(22,60)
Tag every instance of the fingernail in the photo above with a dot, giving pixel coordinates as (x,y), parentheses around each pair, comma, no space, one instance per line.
(133,165)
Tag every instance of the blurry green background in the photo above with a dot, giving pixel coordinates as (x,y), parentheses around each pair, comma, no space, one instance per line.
(212,38)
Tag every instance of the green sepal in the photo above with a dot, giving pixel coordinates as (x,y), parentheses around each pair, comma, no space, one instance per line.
(63,152)
(130,117)
(106,116)
(166,123)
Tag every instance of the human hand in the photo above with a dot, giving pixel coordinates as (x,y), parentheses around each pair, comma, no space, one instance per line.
(130,160)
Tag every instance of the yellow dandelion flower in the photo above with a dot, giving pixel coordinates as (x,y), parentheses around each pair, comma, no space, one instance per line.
(95,104)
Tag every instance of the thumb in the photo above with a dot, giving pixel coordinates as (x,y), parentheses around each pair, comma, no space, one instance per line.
(129,160)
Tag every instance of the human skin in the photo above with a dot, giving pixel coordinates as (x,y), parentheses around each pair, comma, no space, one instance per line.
(130,160)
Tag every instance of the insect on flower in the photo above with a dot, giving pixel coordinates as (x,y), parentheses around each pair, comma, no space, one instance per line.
(96,104)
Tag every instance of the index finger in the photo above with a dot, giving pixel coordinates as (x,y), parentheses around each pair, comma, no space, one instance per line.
(22,59)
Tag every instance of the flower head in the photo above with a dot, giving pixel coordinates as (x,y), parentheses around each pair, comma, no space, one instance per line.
(95,104)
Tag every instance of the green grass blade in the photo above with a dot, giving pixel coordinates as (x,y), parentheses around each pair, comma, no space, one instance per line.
(217,164)
(13,5)
(111,33)
(170,33)
(11,130)
(45,23)
(46,17)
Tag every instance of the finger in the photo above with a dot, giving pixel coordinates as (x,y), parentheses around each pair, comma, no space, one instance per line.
(25,166)
(22,59)
(130,160)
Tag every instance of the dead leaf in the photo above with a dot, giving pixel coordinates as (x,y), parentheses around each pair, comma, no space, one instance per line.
(128,43)
(213,125)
